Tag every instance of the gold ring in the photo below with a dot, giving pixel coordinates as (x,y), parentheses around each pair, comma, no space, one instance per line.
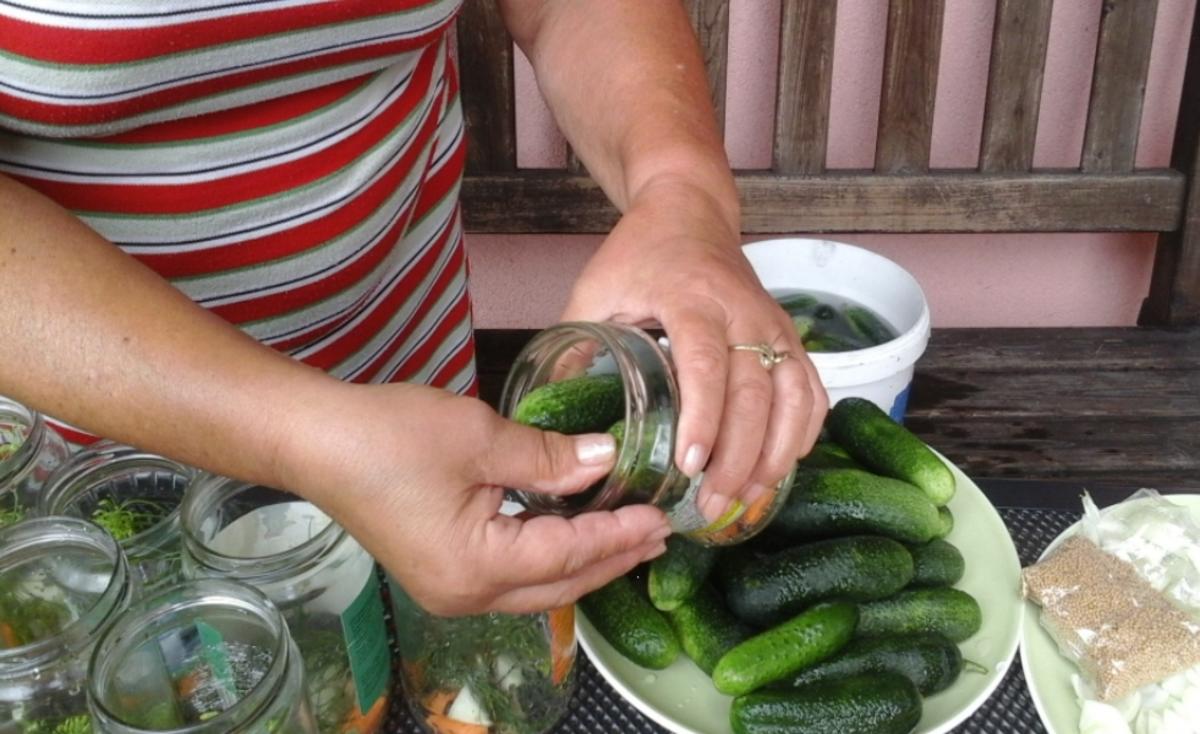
(767,356)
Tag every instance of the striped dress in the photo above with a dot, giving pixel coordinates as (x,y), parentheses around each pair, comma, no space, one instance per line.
(291,165)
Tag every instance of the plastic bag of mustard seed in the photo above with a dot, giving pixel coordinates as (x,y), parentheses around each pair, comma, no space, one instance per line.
(1121,598)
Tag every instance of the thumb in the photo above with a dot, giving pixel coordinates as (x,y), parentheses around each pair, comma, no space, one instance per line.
(522,457)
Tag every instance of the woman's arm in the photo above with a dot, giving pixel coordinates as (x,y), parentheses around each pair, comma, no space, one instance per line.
(96,339)
(626,83)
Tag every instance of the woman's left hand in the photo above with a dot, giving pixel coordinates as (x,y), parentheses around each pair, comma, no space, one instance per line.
(674,259)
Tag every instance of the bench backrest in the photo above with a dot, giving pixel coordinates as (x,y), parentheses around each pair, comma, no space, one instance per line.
(1106,193)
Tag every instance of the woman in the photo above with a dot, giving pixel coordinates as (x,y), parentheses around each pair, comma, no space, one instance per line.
(287,304)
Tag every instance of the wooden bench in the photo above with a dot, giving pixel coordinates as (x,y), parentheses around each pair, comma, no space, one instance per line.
(1080,407)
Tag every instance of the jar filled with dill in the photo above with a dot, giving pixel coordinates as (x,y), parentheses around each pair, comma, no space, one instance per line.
(322,580)
(485,674)
(133,495)
(29,452)
(205,657)
(62,583)
(585,377)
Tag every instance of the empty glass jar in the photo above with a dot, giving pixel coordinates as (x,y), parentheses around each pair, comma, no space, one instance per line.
(29,451)
(62,583)
(321,579)
(133,495)
(645,470)
(203,657)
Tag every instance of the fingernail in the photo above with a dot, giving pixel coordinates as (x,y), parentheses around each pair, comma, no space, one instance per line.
(753,494)
(714,506)
(656,551)
(595,448)
(662,533)
(694,460)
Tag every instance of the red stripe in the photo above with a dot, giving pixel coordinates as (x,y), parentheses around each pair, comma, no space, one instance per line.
(315,333)
(255,184)
(383,310)
(72,435)
(454,365)
(62,114)
(352,341)
(397,340)
(303,237)
(241,119)
(298,297)
(415,361)
(109,46)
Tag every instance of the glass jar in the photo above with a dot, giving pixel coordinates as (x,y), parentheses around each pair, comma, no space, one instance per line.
(62,583)
(499,673)
(645,470)
(29,451)
(321,579)
(133,495)
(205,657)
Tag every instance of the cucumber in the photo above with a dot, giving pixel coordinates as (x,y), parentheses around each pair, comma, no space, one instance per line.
(706,629)
(679,573)
(950,612)
(827,502)
(947,519)
(577,405)
(931,661)
(871,703)
(828,455)
(796,302)
(629,623)
(806,639)
(869,326)
(889,448)
(803,326)
(733,560)
(780,585)
(936,563)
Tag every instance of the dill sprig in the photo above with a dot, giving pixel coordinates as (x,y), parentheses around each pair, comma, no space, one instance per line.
(123,519)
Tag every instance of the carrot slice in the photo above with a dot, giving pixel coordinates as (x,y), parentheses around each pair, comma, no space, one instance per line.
(366,723)
(562,643)
(439,702)
(442,724)
(9,635)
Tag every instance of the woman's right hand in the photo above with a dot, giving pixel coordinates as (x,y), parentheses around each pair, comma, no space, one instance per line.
(415,474)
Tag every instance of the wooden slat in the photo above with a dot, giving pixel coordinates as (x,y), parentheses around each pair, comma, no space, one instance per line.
(487,88)
(1050,394)
(1021,350)
(710,19)
(1014,92)
(1175,285)
(805,81)
(1138,452)
(552,202)
(914,41)
(1118,85)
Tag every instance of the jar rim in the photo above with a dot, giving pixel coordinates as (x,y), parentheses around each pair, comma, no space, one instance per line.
(206,492)
(142,618)
(100,464)
(16,463)
(18,541)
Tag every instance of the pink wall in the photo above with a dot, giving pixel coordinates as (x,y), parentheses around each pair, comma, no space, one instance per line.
(971,280)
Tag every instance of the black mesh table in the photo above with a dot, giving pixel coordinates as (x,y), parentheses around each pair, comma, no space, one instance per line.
(598,709)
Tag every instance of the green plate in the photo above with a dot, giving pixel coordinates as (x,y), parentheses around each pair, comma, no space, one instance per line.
(1047,672)
(683,700)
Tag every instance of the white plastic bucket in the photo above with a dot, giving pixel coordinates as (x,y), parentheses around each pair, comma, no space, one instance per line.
(883,373)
